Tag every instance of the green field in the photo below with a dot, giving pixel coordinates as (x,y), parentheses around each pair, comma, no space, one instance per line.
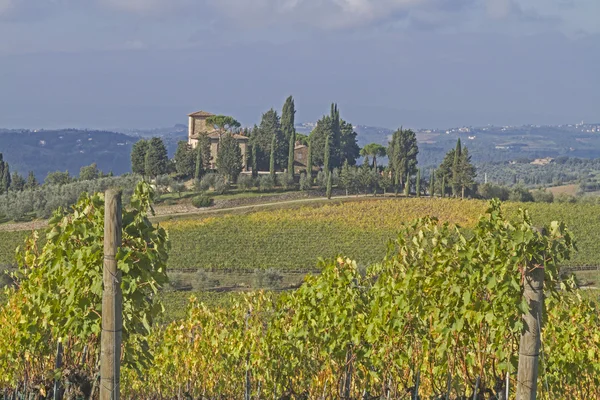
(295,237)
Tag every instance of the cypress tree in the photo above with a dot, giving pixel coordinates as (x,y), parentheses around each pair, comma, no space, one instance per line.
(444,186)
(432,184)
(272,159)
(345,176)
(198,171)
(229,158)
(254,150)
(309,162)
(456,179)
(291,154)
(18,182)
(5,177)
(407,186)
(418,183)
(326,155)
(329,186)
(32,183)
(287,126)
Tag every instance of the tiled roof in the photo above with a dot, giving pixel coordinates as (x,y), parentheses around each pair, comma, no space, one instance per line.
(215,135)
(201,114)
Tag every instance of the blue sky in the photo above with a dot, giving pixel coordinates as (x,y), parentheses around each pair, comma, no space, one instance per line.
(421,63)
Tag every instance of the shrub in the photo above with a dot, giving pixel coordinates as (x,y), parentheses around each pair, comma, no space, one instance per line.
(206,182)
(177,187)
(335,177)
(305,183)
(286,180)
(520,193)
(490,191)
(269,278)
(321,180)
(221,184)
(265,183)
(202,201)
(162,183)
(565,198)
(542,196)
(245,182)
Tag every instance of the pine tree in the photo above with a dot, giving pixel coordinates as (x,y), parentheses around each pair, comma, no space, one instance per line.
(407,186)
(229,157)
(329,186)
(156,158)
(456,169)
(418,183)
(138,157)
(31,183)
(272,159)
(289,132)
(432,184)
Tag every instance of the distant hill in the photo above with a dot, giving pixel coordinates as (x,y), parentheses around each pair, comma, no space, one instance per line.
(46,151)
(69,149)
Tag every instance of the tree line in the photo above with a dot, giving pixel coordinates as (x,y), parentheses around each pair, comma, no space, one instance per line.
(331,145)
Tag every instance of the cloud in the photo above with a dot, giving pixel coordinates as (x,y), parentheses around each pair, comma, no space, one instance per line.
(327,14)
(324,14)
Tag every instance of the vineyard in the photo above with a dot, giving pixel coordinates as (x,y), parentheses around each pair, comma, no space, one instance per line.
(431,308)
(293,239)
(358,229)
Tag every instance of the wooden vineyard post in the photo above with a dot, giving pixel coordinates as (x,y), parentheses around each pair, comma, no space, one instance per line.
(112,313)
(529,348)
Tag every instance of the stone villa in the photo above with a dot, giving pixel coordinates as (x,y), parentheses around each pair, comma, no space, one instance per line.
(197,125)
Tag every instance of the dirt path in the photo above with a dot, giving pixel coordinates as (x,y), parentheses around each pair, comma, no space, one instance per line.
(39,224)
(263,205)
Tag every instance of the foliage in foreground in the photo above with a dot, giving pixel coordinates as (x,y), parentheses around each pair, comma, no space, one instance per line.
(59,295)
(439,305)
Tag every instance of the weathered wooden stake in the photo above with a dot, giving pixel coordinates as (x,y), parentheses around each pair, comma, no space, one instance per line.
(529,348)
(476,391)
(57,365)
(112,313)
(417,382)
(448,387)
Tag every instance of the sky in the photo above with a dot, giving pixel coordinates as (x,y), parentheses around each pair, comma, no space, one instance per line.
(117,64)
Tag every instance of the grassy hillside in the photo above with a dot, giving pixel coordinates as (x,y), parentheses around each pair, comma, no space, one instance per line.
(294,239)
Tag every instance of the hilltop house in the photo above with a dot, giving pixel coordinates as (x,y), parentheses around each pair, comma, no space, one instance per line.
(300,157)
(197,125)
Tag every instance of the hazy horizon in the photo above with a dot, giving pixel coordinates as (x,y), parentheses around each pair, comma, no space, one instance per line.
(133,64)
